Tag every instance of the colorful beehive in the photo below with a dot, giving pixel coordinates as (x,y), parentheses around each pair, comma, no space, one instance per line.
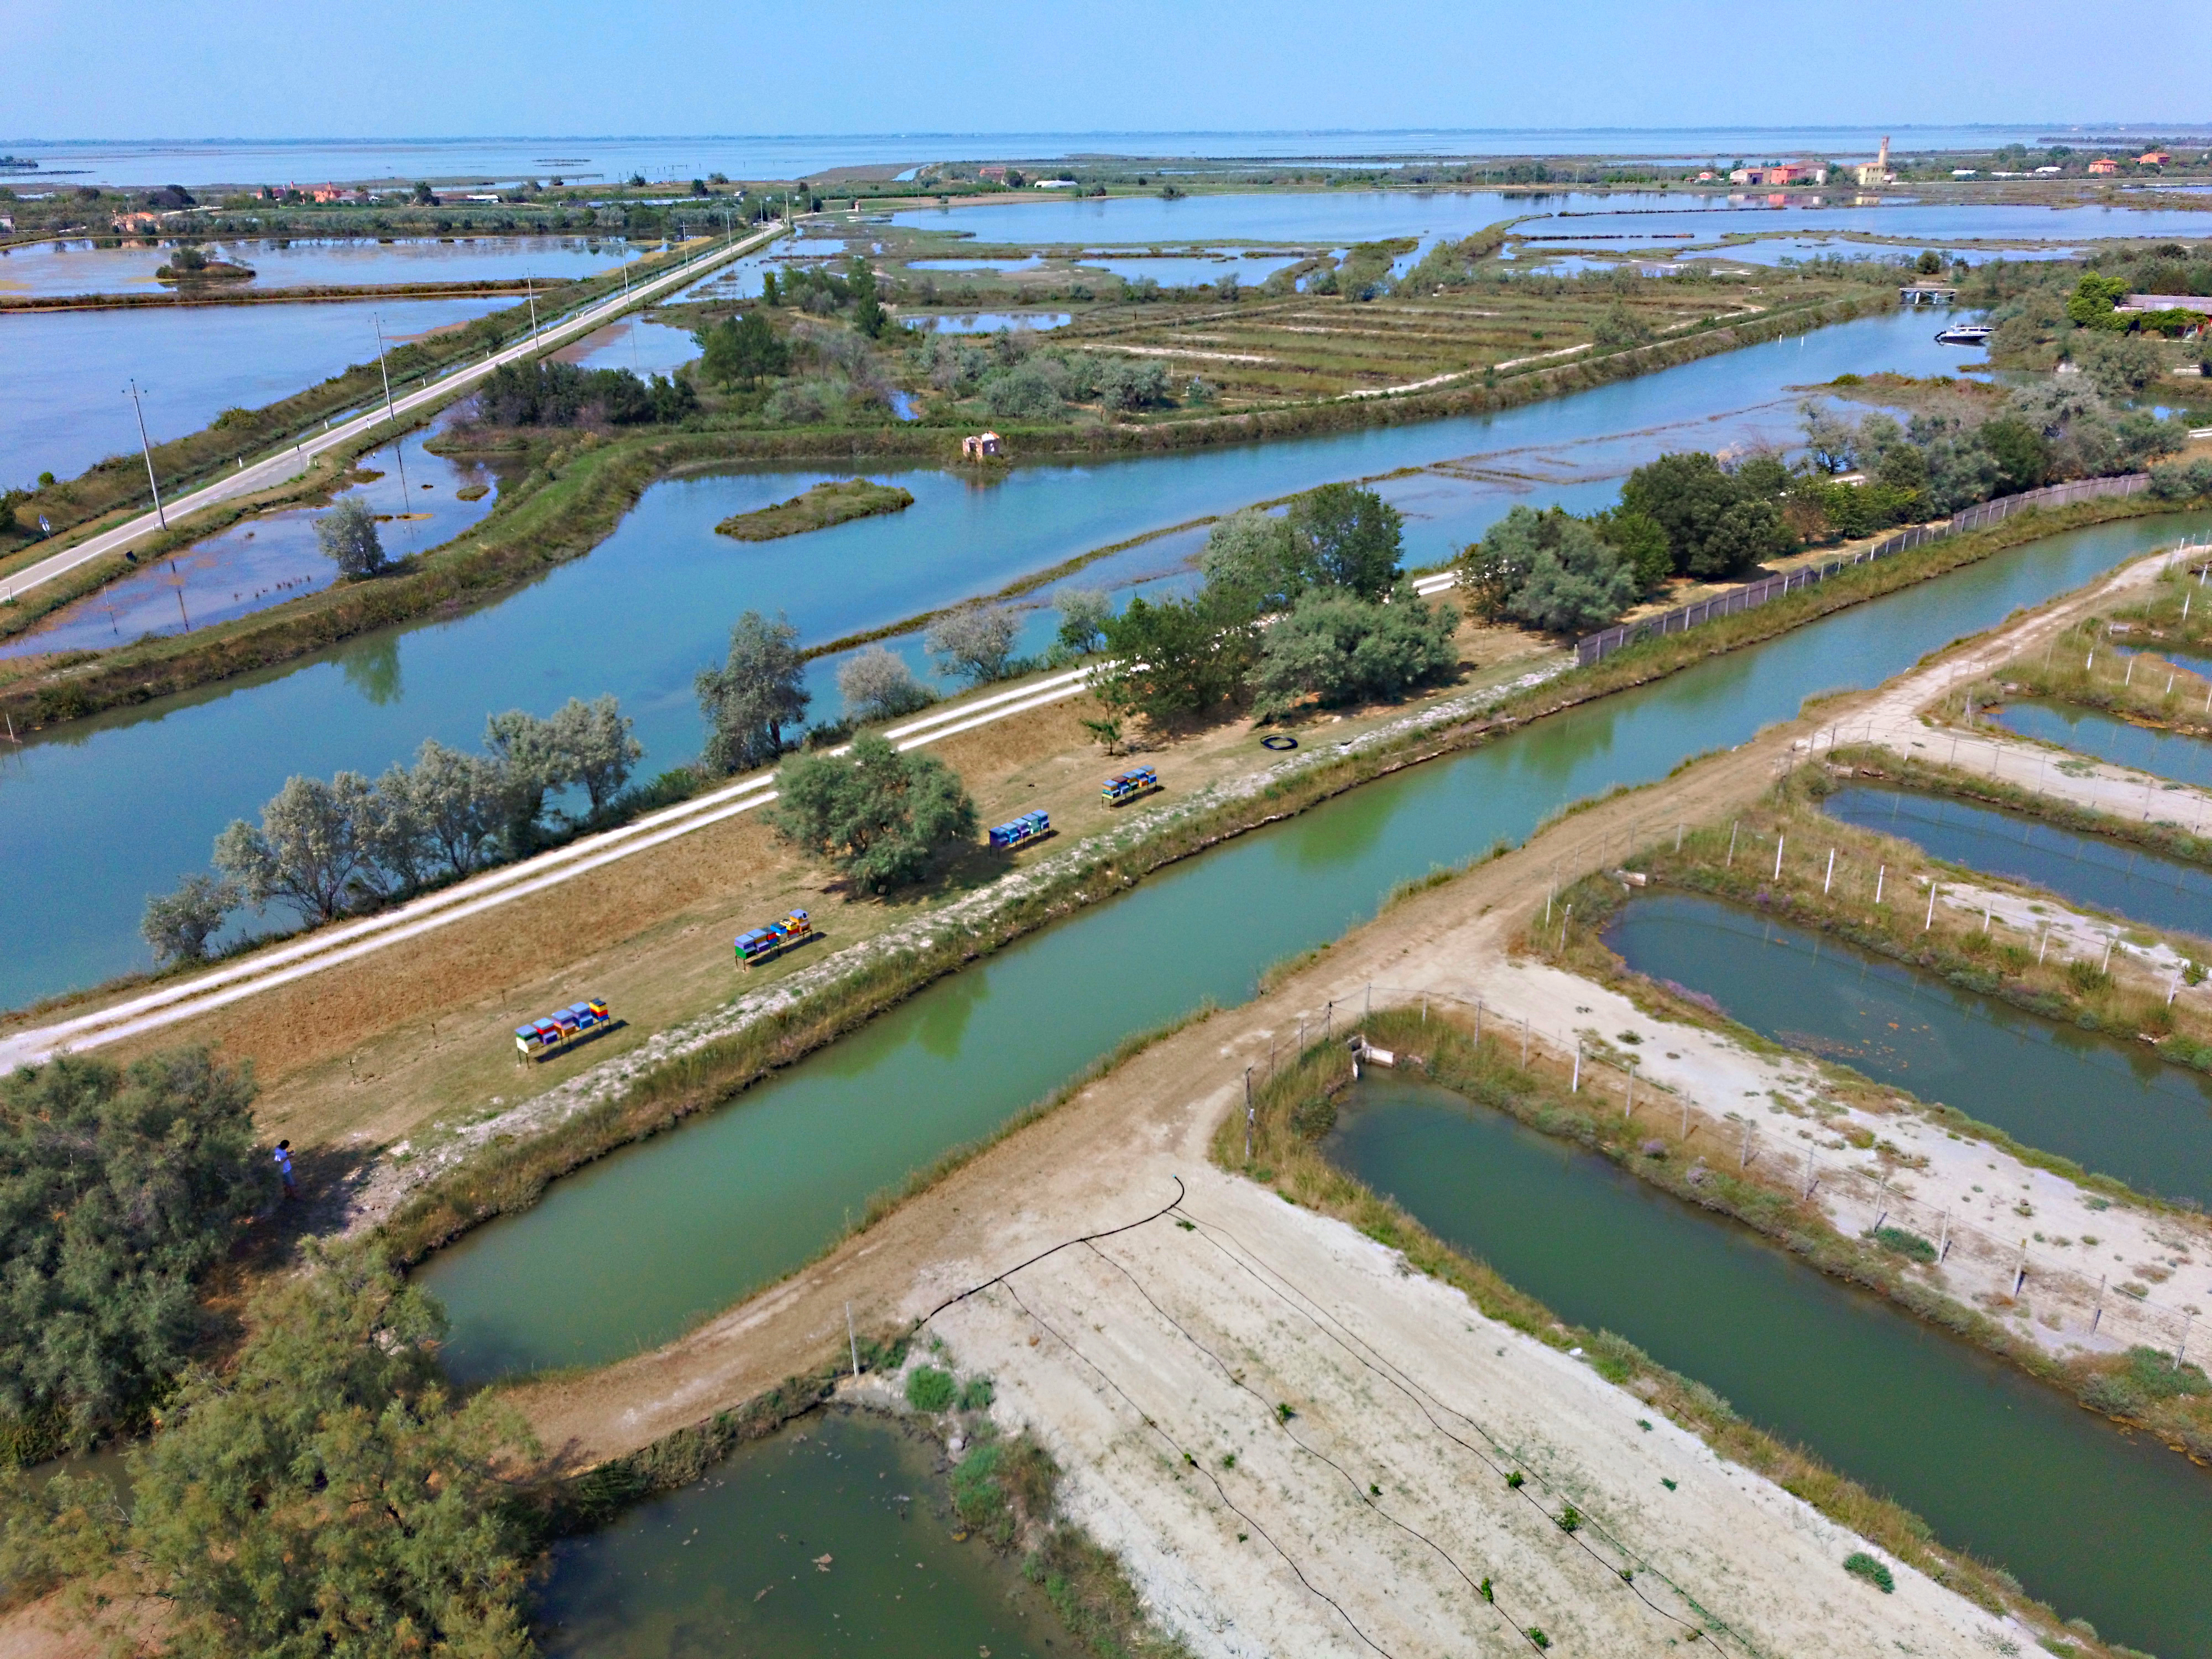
(1128,786)
(550,1036)
(764,943)
(1030,826)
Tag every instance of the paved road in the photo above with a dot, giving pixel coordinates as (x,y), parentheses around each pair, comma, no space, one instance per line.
(328,947)
(282,467)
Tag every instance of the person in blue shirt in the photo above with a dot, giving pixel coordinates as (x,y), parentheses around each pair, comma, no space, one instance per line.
(284,1168)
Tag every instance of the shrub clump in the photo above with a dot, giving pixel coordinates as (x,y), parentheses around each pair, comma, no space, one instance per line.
(1898,1242)
(1860,1564)
(929,1388)
(120,1191)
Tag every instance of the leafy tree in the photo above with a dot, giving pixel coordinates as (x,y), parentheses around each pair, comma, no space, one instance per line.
(1347,538)
(1575,581)
(119,1190)
(532,763)
(1082,614)
(976,640)
(1340,649)
(878,815)
(1640,543)
(1713,529)
(460,801)
(347,536)
(1176,656)
(1022,394)
(561,394)
(327,1495)
(179,925)
(1249,561)
(748,700)
(2093,302)
(743,351)
(1126,385)
(312,847)
(2021,453)
(2122,365)
(878,686)
(868,314)
(594,740)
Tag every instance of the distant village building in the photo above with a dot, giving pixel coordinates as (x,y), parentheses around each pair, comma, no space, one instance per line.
(984,445)
(1780,173)
(997,175)
(2154,158)
(2103,165)
(1876,172)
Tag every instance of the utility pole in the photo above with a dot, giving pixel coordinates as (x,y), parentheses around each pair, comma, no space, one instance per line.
(399,455)
(159,513)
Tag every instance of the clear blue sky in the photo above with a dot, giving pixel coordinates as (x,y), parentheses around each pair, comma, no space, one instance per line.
(263,69)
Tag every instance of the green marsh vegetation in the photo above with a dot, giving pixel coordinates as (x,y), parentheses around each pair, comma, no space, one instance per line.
(826,504)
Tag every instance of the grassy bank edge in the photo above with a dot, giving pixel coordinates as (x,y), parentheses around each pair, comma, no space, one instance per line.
(512,1177)
(1295,1107)
(576,488)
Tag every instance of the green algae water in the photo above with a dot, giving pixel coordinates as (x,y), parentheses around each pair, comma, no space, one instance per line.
(823,1539)
(2088,870)
(2111,1528)
(2113,1107)
(628,1253)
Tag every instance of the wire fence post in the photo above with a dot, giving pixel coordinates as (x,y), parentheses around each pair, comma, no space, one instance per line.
(1247,1114)
(1576,1087)
(854,1341)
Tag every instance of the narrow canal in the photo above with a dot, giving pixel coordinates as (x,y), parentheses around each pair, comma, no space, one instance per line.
(2110,1527)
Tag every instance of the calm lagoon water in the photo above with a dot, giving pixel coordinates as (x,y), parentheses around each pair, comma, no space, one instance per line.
(65,370)
(81,267)
(642,614)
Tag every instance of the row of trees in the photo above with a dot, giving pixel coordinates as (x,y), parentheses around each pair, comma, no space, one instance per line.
(544,393)
(325,849)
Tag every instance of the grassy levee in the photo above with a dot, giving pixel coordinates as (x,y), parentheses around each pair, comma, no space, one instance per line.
(1295,1108)
(563,508)
(511,1177)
